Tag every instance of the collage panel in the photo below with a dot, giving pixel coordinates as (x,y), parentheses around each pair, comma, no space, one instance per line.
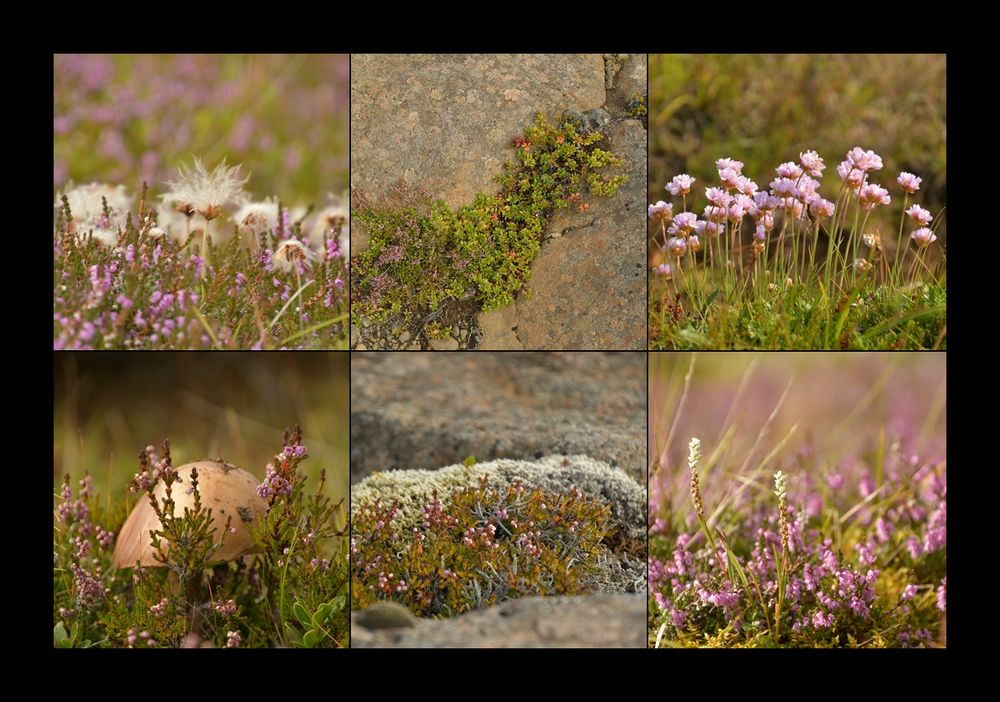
(201,201)
(498,201)
(797,202)
(498,500)
(797,500)
(200,500)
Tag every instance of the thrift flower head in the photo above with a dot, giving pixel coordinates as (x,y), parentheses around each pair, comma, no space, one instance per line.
(746,186)
(789,169)
(208,193)
(872,195)
(694,243)
(821,208)
(909,182)
(864,160)
(718,197)
(784,187)
(665,270)
(923,237)
(680,185)
(919,215)
(729,178)
(812,163)
(853,177)
(661,211)
(728,163)
(684,222)
(677,246)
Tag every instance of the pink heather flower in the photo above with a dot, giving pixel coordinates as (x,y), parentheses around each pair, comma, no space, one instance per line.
(680,185)
(724,163)
(822,621)
(729,177)
(812,163)
(909,182)
(914,547)
(789,169)
(821,208)
(919,215)
(677,246)
(684,222)
(941,595)
(746,186)
(694,243)
(661,211)
(872,195)
(864,160)
(908,592)
(851,176)
(233,639)
(677,618)
(784,187)
(718,197)
(923,237)
(665,270)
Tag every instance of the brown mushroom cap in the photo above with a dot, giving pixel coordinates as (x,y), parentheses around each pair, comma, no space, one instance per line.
(229,492)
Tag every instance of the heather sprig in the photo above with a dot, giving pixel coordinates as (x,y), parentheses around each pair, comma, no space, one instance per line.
(475,548)
(290,591)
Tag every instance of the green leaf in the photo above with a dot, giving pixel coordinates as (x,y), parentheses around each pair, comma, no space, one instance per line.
(310,638)
(339,602)
(302,614)
(59,634)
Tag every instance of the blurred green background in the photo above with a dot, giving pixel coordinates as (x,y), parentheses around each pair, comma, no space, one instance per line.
(126,118)
(230,405)
(764,109)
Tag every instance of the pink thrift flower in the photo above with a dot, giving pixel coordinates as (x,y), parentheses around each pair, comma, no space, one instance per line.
(724,163)
(923,237)
(729,177)
(715,214)
(789,169)
(694,243)
(766,201)
(661,211)
(821,208)
(685,221)
(919,215)
(784,187)
(718,197)
(812,163)
(735,213)
(677,246)
(665,270)
(872,195)
(909,182)
(864,160)
(746,186)
(852,177)
(680,185)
